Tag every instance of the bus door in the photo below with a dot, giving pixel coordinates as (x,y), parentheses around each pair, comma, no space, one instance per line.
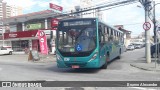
(116,44)
(112,47)
(102,47)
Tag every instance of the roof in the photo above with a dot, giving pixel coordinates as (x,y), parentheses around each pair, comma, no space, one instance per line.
(120,27)
(29,16)
(124,30)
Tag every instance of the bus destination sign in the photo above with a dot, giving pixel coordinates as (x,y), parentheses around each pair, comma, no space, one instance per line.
(77,23)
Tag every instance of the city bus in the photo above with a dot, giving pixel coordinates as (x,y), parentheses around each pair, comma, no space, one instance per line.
(87,43)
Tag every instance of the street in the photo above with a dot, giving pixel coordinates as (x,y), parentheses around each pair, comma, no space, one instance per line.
(118,70)
(14,68)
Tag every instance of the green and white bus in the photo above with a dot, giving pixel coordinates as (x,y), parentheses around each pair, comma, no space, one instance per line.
(87,43)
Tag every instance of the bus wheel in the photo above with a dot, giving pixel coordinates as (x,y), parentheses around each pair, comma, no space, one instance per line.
(104,66)
(106,63)
(119,57)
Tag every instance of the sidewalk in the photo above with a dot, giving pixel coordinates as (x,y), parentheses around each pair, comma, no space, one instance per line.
(21,56)
(46,58)
(142,64)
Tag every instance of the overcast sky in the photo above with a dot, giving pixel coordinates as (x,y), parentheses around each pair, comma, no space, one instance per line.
(131,16)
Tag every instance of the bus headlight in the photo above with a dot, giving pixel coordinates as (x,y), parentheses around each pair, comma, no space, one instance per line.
(58,57)
(93,57)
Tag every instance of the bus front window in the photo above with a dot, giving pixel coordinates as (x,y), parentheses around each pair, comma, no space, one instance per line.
(79,39)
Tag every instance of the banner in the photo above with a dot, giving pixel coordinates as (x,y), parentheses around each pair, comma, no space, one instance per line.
(43,42)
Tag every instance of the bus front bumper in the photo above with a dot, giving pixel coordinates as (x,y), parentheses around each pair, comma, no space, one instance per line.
(89,64)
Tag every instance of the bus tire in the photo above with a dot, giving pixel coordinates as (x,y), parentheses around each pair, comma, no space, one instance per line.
(104,66)
(119,57)
(106,63)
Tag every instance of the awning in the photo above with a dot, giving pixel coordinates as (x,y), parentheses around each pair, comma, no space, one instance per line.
(25,35)
(20,34)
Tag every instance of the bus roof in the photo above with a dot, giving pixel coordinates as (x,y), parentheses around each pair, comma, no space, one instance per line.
(92,18)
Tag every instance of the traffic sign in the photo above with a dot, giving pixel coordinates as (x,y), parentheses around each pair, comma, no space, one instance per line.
(146,26)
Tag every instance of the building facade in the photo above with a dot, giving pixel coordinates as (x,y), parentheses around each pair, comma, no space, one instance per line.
(127,34)
(8,11)
(87,4)
(21,31)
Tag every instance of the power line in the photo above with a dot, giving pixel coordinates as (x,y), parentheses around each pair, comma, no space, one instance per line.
(116,6)
(131,24)
(99,7)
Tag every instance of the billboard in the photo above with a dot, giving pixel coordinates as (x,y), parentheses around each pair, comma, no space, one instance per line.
(55,7)
(34,26)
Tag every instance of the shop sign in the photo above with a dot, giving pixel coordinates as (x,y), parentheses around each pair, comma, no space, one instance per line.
(54,23)
(55,7)
(13,35)
(34,26)
(43,42)
(20,34)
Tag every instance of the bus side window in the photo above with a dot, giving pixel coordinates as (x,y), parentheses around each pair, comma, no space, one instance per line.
(101,35)
(111,35)
(106,34)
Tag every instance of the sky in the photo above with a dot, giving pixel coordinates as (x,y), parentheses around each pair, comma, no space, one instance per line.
(131,16)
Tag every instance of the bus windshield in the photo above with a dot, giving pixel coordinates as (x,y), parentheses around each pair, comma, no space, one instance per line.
(76,39)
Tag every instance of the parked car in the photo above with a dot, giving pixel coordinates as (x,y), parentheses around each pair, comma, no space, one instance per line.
(130,47)
(4,50)
(137,46)
(153,50)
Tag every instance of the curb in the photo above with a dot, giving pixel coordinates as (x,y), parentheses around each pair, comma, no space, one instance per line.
(142,68)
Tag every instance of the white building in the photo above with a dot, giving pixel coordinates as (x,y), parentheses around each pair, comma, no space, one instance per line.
(8,11)
(86,4)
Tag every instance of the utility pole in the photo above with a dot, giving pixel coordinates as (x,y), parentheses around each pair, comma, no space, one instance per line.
(147,32)
(154,23)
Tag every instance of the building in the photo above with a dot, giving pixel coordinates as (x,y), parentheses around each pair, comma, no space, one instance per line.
(127,34)
(8,11)
(21,31)
(16,10)
(87,4)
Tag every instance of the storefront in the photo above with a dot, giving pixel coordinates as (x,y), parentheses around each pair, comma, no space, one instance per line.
(27,40)
(21,31)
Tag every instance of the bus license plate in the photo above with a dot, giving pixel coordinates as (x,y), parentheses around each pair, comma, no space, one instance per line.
(75,66)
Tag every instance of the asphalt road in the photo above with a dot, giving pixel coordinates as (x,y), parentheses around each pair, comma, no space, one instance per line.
(17,68)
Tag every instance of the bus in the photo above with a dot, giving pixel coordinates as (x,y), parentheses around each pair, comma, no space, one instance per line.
(87,43)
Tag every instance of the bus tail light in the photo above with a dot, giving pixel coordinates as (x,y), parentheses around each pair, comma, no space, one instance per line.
(93,57)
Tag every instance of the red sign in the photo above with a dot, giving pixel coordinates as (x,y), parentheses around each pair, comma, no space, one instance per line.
(54,23)
(20,34)
(56,7)
(146,26)
(42,42)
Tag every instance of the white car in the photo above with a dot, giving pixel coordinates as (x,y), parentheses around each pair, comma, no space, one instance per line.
(4,50)
(130,47)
